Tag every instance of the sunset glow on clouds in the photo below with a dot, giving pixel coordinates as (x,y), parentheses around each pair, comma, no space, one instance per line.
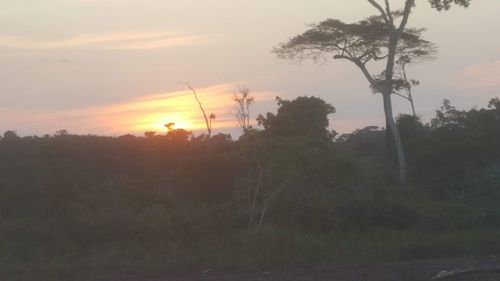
(148,113)
(113,41)
(481,76)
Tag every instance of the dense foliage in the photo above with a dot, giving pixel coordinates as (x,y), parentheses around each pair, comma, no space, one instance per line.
(278,196)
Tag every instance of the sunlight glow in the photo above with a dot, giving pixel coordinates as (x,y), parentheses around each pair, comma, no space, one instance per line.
(151,113)
(148,113)
(157,122)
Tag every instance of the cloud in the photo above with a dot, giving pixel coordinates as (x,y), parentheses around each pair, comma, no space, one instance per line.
(480,76)
(117,40)
(148,113)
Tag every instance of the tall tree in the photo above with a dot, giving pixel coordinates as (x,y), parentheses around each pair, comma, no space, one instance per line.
(384,37)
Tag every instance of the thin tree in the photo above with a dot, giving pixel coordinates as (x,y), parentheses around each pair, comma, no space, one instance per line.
(402,84)
(405,84)
(381,38)
(208,119)
(211,118)
(243,101)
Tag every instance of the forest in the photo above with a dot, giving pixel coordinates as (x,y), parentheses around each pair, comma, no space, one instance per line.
(287,193)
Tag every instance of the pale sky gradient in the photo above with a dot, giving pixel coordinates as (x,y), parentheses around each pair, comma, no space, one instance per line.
(116,66)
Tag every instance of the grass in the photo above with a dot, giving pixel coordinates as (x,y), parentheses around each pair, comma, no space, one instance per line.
(264,248)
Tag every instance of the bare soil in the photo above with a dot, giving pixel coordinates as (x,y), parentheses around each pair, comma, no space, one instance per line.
(403,271)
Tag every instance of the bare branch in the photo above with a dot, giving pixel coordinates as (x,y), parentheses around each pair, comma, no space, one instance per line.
(207,121)
(388,11)
(365,71)
(398,94)
(243,101)
(370,78)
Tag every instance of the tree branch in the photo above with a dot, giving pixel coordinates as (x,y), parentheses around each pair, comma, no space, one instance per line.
(406,14)
(388,11)
(365,71)
(370,78)
(398,94)
(380,9)
(345,58)
(209,129)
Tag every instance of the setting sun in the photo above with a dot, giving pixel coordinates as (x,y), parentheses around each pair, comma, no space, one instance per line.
(153,112)
(157,122)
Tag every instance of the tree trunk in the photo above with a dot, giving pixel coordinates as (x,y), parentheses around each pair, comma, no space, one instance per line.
(389,143)
(413,109)
(396,136)
(387,93)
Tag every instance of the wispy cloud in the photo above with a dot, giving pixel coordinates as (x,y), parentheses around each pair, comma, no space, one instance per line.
(480,76)
(138,115)
(120,40)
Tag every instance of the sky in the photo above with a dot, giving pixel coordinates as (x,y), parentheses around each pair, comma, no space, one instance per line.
(112,67)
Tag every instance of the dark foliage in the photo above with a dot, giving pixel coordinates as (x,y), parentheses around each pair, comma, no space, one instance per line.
(165,201)
(446,4)
(304,116)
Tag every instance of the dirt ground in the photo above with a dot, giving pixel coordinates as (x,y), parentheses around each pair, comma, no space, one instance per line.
(404,271)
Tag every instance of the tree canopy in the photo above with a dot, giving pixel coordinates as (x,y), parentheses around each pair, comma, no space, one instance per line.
(361,43)
(385,38)
(446,4)
(300,117)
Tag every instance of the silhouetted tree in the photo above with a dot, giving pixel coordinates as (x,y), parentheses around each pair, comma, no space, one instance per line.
(149,134)
(374,39)
(461,145)
(243,101)
(304,116)
(211,118)
(494,103)
(448,117)
(406,84)
(368,141)
(208,119)
(170,127)
(402,84)
(10,136)
(410,126)
(446,4)
(61,133)
(179,135)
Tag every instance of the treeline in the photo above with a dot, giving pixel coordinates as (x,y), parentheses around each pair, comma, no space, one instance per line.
(291,193)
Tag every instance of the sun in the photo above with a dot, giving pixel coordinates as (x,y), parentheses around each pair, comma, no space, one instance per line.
(180,123)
